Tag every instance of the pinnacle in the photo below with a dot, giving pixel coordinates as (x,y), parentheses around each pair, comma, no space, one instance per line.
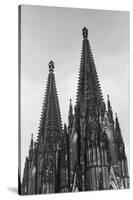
(65,126)
(85,32)
(32,136)
(109,104)
(51,66)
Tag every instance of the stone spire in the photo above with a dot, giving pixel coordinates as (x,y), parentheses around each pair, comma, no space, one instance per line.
(50,132)
(70,108)
(88,83)
(31,148)
(110,112)
(50,122)
(32,141)
(25,177)
(117,122)
(118,135)
(70,115)
(121,153)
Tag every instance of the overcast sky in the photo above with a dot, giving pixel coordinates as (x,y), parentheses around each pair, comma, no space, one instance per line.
(56,33)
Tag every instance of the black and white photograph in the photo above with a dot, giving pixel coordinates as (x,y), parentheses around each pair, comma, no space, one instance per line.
(74,111)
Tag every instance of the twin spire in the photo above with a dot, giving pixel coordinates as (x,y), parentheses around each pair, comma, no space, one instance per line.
(88,89)
(88,78)
(51,144)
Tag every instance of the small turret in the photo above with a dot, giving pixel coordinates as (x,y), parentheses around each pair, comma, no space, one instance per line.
(108,103)
(31,148)
(25,180)
(110,112)
(121,153)
(65,128)
(70,115)
(117,122)
(31,143)
(118,131)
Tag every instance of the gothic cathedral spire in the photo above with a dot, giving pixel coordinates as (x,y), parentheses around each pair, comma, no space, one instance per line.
(97,138)
(45,159)
(50,116)
(88,83)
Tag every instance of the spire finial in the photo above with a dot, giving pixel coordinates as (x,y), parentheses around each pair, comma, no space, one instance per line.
(65,127)
(108,101)
(85,32)
(70,107)
(116,116)
(31,143)
(51,66)
(109,105)
(117,121)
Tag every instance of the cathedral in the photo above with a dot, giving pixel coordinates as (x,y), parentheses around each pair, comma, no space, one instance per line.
(88,153)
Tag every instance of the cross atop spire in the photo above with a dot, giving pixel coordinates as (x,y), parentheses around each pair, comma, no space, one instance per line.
(85,32)
(51,66)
